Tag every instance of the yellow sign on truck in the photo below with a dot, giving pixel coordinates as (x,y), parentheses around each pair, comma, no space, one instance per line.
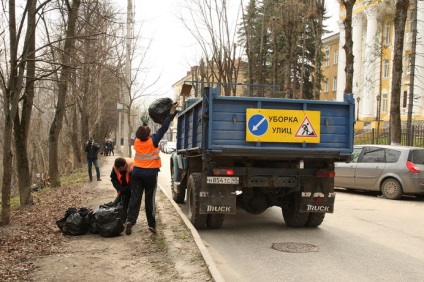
(296,126)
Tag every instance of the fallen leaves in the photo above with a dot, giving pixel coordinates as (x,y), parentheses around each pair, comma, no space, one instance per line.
(33,231)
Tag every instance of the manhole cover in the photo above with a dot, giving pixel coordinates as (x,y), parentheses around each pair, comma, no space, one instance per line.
(293,247)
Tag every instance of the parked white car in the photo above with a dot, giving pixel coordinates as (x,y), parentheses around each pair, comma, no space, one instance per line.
(170,147)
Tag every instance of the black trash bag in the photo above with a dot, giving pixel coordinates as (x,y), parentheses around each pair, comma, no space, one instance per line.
(112,204)
(107,221)
(77,223)
(61,222)
(159,109)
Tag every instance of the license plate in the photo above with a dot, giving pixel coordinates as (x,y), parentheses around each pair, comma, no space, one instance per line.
(222,180)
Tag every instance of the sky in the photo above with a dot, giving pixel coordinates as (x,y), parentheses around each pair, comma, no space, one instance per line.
(173,50)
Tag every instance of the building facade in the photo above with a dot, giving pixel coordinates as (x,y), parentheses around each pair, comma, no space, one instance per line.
(373,38)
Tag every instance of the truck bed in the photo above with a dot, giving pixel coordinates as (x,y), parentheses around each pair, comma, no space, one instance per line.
(217,125)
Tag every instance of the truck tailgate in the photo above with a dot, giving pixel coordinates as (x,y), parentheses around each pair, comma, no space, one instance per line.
(220,125)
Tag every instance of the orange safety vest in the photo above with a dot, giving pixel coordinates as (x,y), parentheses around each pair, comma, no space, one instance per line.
(146,154)
(130,166)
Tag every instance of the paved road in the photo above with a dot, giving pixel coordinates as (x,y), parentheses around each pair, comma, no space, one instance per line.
(367,239)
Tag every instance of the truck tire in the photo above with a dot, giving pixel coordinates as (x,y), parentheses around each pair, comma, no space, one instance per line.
(177,195)
(291,214)
(193,201)
(315,219)
(215,221)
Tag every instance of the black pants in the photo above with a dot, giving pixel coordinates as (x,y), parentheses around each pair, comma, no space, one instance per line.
(125,199)
(139,184)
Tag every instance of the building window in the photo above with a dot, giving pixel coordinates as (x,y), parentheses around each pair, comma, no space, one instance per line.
(327,59)
(384,103)
(387,33)
(335,83)
(405,99)
(386,68)
(326,85)
(336,57)
(408,68)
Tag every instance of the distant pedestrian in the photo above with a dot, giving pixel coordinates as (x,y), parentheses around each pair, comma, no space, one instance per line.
(109,145)
(92,150)
(144,175)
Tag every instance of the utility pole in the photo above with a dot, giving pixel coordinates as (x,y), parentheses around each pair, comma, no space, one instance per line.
(127,98)
(409,131)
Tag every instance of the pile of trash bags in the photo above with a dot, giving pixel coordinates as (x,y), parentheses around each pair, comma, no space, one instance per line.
(105,220)
(159,109)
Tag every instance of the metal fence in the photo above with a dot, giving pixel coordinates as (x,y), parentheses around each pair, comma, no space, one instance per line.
(383,136)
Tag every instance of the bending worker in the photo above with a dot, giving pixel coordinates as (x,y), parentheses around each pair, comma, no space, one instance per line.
(121,180)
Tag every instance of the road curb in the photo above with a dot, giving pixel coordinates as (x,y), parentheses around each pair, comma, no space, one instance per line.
(216,275)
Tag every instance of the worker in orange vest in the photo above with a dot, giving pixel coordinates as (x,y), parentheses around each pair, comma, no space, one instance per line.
(146,168)
(121,180)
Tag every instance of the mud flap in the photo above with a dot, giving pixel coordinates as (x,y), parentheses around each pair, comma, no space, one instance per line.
(317,202)
(219,199)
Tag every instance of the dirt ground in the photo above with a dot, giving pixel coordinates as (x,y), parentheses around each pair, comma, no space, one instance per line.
(34,250)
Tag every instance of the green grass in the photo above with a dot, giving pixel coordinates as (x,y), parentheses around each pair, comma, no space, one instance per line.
(14,203)
(76,177)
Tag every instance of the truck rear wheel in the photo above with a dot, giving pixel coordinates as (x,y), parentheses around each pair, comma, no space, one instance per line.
(315,219)
(215,221)
(178,194)
(291,214)
(193,201)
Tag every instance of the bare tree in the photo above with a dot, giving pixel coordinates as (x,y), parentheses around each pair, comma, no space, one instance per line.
(348,47)
(13,89)
(211,28)
(409,128)
(64,79)
(10,106)
(401,13)
(21,126)
(23,119)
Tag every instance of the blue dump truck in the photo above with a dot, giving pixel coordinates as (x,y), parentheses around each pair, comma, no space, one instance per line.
(254,153)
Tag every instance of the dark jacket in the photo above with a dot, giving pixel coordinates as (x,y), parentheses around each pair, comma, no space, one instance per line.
(92,149)
(125,188)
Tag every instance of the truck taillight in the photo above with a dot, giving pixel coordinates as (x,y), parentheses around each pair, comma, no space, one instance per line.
(223,171)
(325,173)
(412,167)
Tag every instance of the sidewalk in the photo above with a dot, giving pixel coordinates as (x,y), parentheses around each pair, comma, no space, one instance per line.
(173,254)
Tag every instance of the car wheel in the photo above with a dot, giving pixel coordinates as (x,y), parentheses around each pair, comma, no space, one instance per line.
(391,189)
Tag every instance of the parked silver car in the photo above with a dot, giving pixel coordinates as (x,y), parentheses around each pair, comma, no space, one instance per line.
(393,170)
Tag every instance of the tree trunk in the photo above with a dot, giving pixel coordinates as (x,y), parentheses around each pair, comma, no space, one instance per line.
(56,126)
(401,13)
(348,47)
(10,107)
(317,24)
(21,127)
(76,148)
(7,164)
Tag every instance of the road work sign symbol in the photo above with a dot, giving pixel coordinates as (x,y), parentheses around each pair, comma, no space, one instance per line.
(295,126)
(306,129)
